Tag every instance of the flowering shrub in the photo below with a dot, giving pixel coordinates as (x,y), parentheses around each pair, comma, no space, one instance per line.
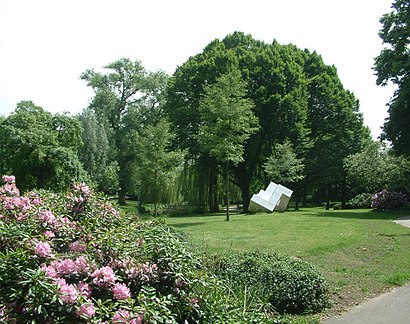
(387,200)
(73,258)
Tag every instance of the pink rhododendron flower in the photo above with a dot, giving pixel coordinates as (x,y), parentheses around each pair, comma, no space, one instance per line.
(49,234)
(84,289)
(104,276)
(77,246)
(47,216)
(121,291)
(8,179)
(144,272)
(66,266)
(69,293)
(50,271)
(122,316)
(87,310)
(43,249)
(82,264)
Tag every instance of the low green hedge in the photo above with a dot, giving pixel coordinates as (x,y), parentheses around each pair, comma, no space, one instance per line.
(291,286)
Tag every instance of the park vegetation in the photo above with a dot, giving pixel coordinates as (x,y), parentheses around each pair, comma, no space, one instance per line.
(228,121)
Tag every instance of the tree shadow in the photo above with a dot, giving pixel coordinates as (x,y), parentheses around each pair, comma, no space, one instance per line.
(365,214)
(182,225)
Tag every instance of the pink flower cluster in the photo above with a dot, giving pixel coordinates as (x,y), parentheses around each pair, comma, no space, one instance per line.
(104,277)
(121,291)
(86,310)
(43,249)
(8,179)
(144,272)
(82,188)
(77,246)
(59,268)
(122,316)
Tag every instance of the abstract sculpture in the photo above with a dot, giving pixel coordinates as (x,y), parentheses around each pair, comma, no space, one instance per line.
(275,197)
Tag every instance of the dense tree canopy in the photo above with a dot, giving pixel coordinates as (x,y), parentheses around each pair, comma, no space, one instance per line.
(227,122)
(39,148)
(126,87)
(297,99)
(393,64)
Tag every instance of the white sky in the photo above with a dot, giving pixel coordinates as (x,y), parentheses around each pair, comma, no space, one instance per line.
(46,44)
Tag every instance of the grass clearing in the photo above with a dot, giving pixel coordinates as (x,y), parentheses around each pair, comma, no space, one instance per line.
(361,252)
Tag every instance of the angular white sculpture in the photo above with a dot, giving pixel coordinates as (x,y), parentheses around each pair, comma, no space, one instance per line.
(275,197)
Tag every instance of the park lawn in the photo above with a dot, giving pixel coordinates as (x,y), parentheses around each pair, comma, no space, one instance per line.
(361,252)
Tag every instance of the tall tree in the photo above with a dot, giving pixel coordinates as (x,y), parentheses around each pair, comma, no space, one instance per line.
(336,129)
(155,163)
(127,84)
(276,85)
(227,121)
(98,154)
(393,64)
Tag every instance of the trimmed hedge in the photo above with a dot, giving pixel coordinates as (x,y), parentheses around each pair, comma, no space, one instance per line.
(291,286)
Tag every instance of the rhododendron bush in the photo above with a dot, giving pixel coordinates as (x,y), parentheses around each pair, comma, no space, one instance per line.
(73,258)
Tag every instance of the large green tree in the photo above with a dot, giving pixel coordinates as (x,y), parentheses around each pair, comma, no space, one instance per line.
(336,129)
(126,85)
(393,64)
(98,152)
(40,149)
(227,122)
(276,85)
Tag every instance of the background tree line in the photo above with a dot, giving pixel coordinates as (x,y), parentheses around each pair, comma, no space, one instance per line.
(242,112)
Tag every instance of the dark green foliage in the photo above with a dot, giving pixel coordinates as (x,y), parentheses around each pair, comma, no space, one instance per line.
(40,149)
(291,286)
(388,200)
(363,200)
(393,64)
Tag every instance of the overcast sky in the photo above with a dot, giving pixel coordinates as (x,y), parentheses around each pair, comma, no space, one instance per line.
(46,44)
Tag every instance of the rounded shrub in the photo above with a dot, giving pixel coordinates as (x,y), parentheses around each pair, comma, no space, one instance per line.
(363,200)
(388,200)
(291,286)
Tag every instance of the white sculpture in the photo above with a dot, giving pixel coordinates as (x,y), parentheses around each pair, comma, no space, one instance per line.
(275,197)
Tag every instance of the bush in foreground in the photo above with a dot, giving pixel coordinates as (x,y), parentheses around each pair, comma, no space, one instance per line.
(290,286)
(73,258)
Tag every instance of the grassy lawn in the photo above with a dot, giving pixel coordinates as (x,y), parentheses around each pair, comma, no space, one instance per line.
(361,253)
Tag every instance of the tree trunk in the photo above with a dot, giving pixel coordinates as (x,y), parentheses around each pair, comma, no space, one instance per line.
(122,192)
(213,192)
(227,190)
(343,189)
(328,199)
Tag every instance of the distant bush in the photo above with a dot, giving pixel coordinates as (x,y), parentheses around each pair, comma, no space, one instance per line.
(363,200)
(388,200)
(290,286)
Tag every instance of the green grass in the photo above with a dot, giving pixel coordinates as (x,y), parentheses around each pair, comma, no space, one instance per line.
(361,252)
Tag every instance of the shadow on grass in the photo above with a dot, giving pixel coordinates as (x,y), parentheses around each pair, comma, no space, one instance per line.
(197,215)
(361,214)
(182,225)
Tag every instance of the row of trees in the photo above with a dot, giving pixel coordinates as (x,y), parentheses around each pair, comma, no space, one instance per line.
(242,111)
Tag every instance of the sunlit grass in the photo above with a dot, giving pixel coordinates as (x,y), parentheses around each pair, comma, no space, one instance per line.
(360,252)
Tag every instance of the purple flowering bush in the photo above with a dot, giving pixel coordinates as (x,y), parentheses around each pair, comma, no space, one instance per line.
(74,258)
(388,200)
